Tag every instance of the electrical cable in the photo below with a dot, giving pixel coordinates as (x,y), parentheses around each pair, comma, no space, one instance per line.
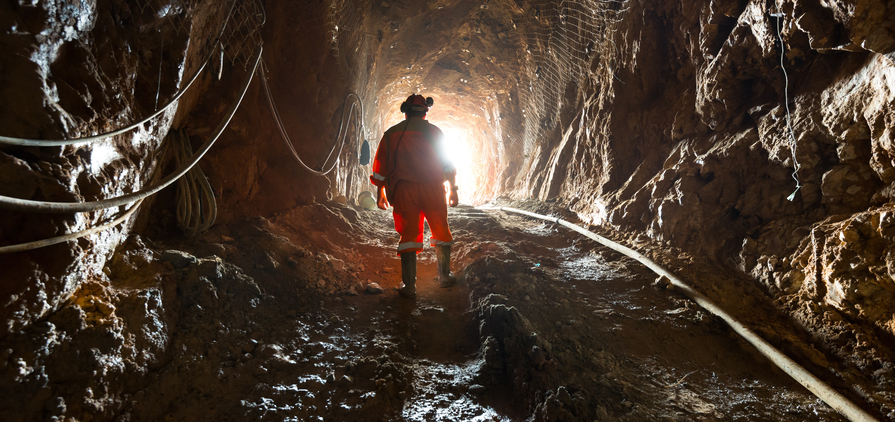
(288,141)
(263,12)
(72,236)
(161,157)
(196,206)
(797,372)
(161,59)
(16,204)
(57,143)
(343,132)
(795,173)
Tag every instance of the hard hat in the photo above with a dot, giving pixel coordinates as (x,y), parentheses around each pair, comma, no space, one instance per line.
(417,103)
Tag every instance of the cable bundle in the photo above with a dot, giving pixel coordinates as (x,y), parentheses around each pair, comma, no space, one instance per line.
(196,207)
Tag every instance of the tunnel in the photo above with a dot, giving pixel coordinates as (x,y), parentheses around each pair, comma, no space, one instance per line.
(667,211)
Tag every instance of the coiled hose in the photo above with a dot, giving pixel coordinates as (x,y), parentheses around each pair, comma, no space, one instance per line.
(797,372)
(196,207)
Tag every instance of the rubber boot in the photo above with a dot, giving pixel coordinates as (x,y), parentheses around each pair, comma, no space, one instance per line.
(408,274)
(444,276)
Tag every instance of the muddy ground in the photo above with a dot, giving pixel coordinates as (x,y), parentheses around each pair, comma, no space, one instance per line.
(279,323)
(279,319)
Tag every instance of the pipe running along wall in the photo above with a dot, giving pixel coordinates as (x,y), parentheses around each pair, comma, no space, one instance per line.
(8,140)
(343,127)
(137,197)
(16,204)
(797,372)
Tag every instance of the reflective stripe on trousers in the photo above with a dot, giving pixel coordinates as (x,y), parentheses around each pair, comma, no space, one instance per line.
(414,202)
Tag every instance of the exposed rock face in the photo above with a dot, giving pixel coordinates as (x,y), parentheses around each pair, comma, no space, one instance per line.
(670,119)
(713,171)
(74,69)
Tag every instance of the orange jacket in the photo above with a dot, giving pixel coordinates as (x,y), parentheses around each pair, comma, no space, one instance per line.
(412,150)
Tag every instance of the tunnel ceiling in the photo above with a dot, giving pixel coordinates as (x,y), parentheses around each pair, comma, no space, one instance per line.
(503,71)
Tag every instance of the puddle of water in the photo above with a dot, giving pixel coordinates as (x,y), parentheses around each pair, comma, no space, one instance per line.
(439,394)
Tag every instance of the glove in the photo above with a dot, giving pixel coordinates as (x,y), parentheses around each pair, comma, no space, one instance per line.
(381,200)
(454,199)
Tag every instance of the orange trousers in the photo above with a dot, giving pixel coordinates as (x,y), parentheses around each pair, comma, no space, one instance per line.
(412,203)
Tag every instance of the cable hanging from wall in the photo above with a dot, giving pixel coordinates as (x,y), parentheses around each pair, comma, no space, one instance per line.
(15,204)
(196,206)
(340,137)
(8,140)
(778,17)
(200,210)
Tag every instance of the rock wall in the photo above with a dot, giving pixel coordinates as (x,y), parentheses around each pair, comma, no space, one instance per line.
(74,69)
(671,119)
(685,135)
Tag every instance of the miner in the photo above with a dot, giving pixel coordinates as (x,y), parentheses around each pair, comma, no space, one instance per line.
(409,171)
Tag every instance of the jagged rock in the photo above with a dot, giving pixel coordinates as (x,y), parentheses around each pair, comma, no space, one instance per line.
(178,259)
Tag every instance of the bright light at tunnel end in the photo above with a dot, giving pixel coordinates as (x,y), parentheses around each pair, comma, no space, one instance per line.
(457,148)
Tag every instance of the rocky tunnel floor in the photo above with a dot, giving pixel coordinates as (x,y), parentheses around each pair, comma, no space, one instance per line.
(295,318)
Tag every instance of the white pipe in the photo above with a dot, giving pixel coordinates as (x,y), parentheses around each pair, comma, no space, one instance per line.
(9,140)
(26,205)
(797,372)
(72,236)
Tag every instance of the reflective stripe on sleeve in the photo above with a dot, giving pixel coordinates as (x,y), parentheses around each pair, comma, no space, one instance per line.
(378,176)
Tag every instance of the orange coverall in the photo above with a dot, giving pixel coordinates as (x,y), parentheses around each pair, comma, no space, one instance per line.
(412,165)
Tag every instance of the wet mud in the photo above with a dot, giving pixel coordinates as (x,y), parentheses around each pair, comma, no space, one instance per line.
(543,325)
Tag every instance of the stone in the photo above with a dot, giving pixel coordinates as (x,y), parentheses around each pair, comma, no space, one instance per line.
(270,262)
(373,288)
(346,381)
(178,259)
(249,346)
(336,264)
(849,236)
(476,389)
(846,152)
(886,219)
(55,406)
(259,370)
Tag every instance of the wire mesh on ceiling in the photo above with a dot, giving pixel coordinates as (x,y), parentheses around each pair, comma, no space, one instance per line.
(243,19)
(561,41)
(556,41)
(243,31)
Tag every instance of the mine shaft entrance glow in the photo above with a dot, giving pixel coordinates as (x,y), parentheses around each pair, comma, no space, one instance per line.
(458,150)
